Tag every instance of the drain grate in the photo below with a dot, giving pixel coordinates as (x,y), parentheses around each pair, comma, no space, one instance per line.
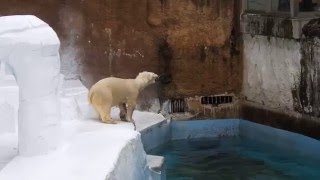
(177,105)
(216,100)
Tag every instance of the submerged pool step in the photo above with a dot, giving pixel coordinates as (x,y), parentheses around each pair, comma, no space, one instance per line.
(157,167)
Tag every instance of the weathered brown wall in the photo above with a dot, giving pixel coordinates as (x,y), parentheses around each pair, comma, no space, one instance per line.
(189,39)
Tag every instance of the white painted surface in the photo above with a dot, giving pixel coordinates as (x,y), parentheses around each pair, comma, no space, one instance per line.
(132,163)
(91,149)
(92,152)
(271,70)
(9,103)
(30,47)
(8,148)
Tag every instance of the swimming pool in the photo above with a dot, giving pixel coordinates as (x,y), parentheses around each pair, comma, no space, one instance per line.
(232,149)
(233,158)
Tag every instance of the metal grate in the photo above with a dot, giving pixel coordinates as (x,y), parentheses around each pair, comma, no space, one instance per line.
(177,105)
(216,100)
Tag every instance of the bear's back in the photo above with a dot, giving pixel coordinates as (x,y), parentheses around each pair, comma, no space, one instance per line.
(116,85)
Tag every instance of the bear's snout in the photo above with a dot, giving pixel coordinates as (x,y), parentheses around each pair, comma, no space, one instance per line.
(164,78)
(157,78)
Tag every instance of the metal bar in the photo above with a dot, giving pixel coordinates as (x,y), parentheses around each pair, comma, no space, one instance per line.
(294,8)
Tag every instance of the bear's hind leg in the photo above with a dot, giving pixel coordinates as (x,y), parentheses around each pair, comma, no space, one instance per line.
(104,112)
(123,112)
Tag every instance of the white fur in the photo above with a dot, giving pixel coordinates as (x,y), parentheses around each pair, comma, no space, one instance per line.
(120,92)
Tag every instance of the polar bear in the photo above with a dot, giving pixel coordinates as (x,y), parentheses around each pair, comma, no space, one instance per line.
(120,92)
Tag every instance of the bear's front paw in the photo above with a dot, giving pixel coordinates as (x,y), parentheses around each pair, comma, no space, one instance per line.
(123,117)
(125,120)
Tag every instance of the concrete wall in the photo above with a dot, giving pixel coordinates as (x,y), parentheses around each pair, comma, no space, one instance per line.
(271,70)
(277,138)
(192,40)
(281,73)
(279,63)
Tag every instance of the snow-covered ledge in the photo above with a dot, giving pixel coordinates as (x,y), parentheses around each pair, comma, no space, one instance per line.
(31,48)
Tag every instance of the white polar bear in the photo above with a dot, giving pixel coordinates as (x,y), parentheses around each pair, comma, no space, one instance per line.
(114,91)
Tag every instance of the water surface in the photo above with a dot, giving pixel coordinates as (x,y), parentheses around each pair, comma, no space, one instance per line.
(234,158)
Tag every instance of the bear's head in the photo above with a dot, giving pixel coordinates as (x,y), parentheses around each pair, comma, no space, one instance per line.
(147,78)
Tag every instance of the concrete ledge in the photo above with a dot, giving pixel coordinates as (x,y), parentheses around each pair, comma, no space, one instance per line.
(286,120)
(156,134)
(267,25)
(91,153)
(286,140)
(91,149)
(157,167)
(131,164)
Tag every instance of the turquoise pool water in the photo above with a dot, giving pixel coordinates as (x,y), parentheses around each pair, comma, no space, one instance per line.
(234,158)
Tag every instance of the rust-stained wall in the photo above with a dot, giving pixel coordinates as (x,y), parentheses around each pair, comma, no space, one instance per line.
(190,39)
(198,37)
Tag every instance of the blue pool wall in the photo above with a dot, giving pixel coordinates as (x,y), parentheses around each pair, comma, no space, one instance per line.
(166,131)
(286,140)
(204,129)
(156,135)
